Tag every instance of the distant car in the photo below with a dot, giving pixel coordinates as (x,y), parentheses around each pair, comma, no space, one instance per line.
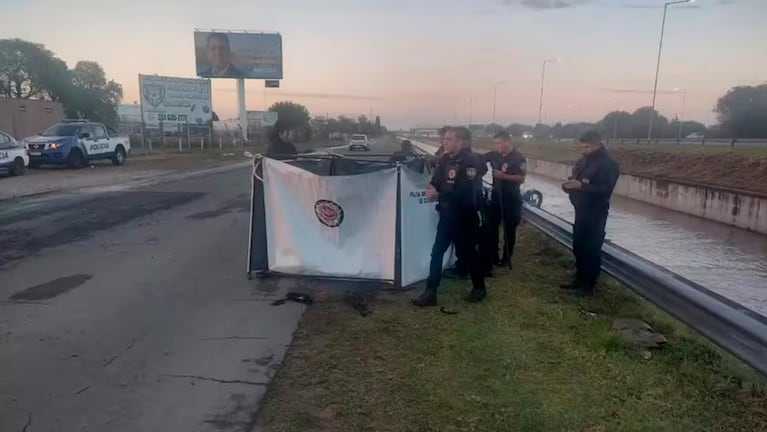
(13,156)
(695,135)
(527,135)
(75,143)
(359,142)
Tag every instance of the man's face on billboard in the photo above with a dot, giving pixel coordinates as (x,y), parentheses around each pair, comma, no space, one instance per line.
(218,53)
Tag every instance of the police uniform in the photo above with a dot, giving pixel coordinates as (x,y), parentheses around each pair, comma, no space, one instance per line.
(598,174)
(506,202)
(459,183)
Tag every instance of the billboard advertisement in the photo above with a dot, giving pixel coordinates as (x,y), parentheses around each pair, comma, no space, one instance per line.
(175,100)
(238,55)
(259,119)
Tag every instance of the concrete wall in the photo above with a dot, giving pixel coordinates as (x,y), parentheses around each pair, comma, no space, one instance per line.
(24,117)
(733,207)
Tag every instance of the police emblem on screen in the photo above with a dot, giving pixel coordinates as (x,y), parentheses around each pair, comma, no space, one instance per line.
(154,94)
(329,213)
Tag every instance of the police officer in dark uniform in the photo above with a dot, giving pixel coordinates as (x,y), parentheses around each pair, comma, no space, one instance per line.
(590,187)
(509,170)
(458,186)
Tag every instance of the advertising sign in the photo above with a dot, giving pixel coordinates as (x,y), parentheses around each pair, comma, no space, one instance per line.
(238,55)
(175,100)
(258,119)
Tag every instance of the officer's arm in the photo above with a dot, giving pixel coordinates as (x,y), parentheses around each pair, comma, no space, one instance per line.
(605,182)
(517,177)
(436,179)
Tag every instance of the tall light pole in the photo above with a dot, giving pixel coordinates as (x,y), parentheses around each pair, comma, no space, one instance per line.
(657,65)
(471,107)
(495,100)
(681,112)
(543,78)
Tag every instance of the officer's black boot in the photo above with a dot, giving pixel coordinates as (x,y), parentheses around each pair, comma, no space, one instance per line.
(476,295)
(427,298)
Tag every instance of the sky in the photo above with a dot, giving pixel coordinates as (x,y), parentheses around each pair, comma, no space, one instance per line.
(423,63)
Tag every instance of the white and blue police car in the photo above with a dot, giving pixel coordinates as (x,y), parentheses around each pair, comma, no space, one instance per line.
(76,143)
(13,155)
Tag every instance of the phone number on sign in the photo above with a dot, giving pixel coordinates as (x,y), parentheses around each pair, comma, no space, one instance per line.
(172,117)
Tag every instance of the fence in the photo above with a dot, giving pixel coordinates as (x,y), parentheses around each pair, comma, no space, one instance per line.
(718,142)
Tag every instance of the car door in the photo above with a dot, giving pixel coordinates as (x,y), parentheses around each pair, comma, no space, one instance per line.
(101,145)
(6,143)
(87,139)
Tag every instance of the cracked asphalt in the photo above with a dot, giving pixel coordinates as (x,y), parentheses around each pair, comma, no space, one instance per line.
(131,311)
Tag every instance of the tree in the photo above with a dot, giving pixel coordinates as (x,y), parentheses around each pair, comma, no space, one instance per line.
(293,115)
(616,124)
(742,112)
(91,96)
(640,123)
(30,71)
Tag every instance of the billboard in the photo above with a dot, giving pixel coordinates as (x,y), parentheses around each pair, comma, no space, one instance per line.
(175,100)
(238,55)
(258,119)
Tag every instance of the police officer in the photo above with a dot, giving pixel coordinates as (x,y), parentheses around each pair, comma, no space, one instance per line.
(458,186)
(509,169)
(483,239)
(590,187)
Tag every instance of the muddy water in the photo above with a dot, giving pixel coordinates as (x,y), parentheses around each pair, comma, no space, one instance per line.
(728,260)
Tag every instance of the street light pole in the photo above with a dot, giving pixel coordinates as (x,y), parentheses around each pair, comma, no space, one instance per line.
(680,117)
(495,101)
(657,65)
(543,78)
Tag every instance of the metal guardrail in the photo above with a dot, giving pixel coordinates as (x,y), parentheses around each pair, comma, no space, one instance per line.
(707,142)
(737,329)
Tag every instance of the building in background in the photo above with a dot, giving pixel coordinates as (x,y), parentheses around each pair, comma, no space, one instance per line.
(26,117)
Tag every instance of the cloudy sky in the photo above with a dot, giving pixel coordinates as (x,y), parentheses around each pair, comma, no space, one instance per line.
(428,62)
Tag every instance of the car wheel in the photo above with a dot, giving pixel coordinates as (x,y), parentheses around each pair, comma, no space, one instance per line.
(76,160)
(119,157)
(17,168)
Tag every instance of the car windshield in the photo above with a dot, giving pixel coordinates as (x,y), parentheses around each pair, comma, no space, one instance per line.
(358,137)
(61,130)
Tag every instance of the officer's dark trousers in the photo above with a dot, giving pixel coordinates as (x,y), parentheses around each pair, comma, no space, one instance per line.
(462,230)
(508,219)
(487,249)
(588,237)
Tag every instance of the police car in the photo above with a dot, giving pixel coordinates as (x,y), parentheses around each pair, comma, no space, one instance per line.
(13,155)
(75,143)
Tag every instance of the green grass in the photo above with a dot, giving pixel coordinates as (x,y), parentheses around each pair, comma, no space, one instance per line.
(527,359)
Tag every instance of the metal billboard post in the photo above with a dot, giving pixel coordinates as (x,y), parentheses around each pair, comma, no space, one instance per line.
(241,105)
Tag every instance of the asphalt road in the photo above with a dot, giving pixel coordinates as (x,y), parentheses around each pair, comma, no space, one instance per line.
(130,310)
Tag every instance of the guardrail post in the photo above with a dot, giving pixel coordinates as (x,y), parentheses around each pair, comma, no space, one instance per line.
(638,141)
(149,147)
(202,143)
(220,143)
(180,144)
(732,144)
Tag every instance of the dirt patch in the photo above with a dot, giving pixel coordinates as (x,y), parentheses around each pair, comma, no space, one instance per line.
(52,288)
